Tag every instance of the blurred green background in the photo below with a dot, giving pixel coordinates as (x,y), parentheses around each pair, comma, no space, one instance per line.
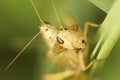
(18,23)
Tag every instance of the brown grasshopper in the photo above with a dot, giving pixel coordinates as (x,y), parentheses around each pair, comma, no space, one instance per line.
(71,51)
(67,46)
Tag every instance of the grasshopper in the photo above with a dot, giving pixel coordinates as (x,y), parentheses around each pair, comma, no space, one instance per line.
(67,45)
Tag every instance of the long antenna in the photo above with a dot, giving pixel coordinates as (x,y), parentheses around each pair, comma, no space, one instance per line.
(58,19)
(22,51)
(36,11)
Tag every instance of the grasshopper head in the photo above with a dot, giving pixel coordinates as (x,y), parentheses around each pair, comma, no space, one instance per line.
(49,33)
(70,39)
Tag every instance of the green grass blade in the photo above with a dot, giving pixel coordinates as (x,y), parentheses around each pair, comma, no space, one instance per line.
(110,33)
(104,5)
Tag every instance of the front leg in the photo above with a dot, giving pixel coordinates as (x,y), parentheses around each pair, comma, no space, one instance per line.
(87,25)
(82,62)
(57,49)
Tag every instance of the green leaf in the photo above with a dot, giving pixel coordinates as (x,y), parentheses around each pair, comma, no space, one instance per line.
(110,33)
(104,5)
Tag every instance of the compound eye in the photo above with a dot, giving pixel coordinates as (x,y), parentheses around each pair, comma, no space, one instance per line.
(59,40)
(83,41)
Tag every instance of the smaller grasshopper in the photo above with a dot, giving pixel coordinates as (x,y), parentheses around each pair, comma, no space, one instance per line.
(67,45)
